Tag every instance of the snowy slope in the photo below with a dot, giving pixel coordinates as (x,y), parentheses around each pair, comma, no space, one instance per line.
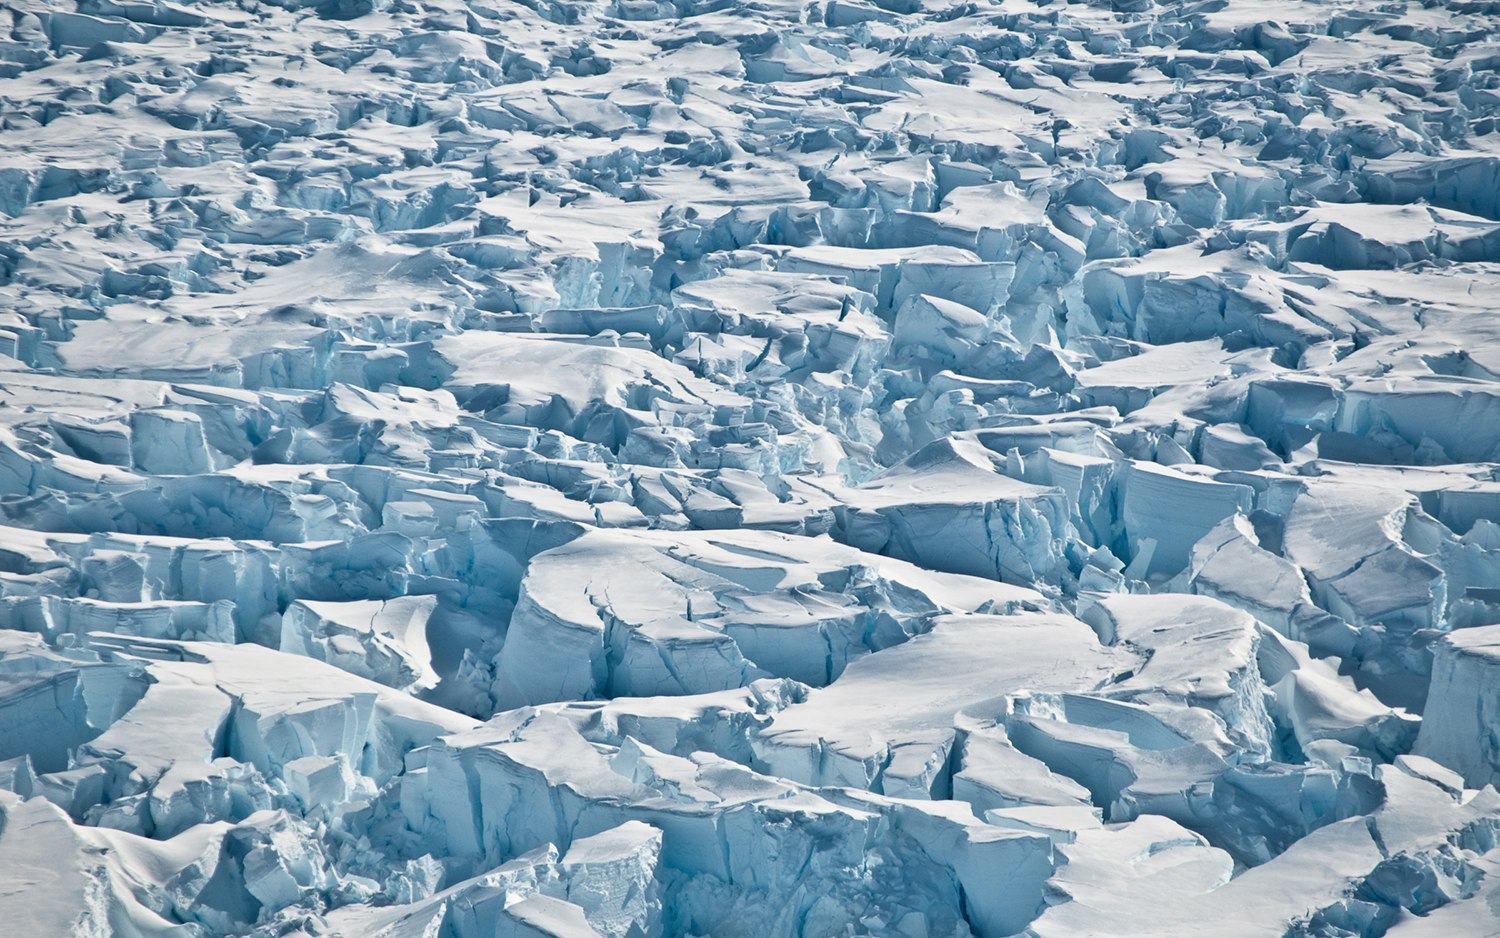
(749,468)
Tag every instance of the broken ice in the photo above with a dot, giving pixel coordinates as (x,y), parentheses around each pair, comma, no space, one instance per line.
(650,468)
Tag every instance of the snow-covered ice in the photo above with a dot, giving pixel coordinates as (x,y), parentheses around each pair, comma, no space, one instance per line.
(749,468)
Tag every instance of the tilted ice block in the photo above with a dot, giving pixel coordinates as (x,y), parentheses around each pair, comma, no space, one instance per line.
(762,302)
(556,643)
(401,428)
(1168,303)
(1060,823)
(1318,703)
(540,916)
(1100,743)
(545,504)
(1284,411)
(177,351)
(384,641)
(1229,565)
(1456,415)
(947,331)
(1196,651)
(950,507)
(888,723)
(367,567)
(1190,189)
(806,635)
(277,720)
(521,758)
(728,498)
(18,775)
(127,568)
(1361,237)
(1359,870)
(168,442)
(115,576)
(720,723)
(651,320)
(1459,723)
(163,747)
(1460,506)
(549,383)
(1129,383)
(52,706)
(413,519)
(1135,764)
(270,863)
(1174,510)
(1074,437)
(74,790)
(1229,446)
(629,614)
(92,878)
(702,779)
(980,856)
(1126,872)
(893,274)
(1470,917)
(994,775)
(102,442)
(446,506)
(612,877)
(1349,539)
(673,655)
(980,286)
(875,272)
(1467,184)
(317,780)
(466,908)
(188,507)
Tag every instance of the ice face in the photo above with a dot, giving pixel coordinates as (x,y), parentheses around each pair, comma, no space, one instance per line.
(651,468)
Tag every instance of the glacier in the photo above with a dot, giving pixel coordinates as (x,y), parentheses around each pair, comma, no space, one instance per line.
(749,468)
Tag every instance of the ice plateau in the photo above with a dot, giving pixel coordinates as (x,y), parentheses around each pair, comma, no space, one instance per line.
(749,468)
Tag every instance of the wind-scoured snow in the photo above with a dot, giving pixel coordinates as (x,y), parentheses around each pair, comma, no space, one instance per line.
(749,468)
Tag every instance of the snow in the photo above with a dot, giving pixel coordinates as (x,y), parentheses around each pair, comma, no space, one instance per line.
(652,468)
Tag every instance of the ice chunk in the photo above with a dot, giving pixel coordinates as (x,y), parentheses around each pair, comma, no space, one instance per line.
(384,641)
(690,614)
(1459,719)
(1174,510)
(1230,565)
(99,879)
(1196,651)
(888,723)
(947,331)
(1321,704)
(951,507)
(993,775)
(720,722)
(612,877)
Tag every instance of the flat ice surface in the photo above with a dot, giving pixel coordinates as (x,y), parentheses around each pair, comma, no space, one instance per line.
(749,468)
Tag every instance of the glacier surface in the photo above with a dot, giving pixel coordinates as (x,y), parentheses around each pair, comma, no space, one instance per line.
(749,468)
